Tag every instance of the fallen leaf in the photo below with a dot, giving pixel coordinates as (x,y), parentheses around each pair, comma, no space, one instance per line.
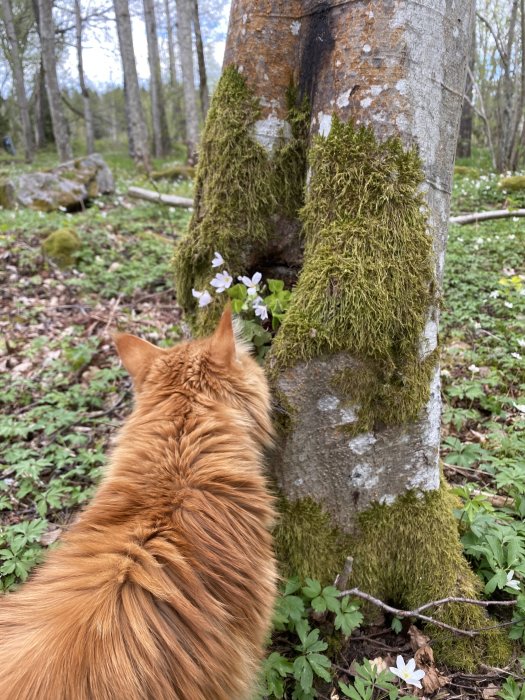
(490,692)
(50,536)
(432,680)
(417,638)
(379,664)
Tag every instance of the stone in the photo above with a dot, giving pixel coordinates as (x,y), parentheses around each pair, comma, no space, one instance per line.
(68,186)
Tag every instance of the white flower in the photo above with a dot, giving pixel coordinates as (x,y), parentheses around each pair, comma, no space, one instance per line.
(407,671)
(250,284)
(521,342)
(494,294)
(516,355)
(222,281)
(511,581)
(218,260)
(520,407)
(508,304)
(261,311)
(203,297)
(474,369)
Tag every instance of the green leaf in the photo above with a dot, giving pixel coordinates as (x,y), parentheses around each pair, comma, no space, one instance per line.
(303,672)
(275,285)
(312,588)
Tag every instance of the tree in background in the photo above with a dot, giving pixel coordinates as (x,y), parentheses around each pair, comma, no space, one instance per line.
(373,90)
(47,42)
(184,34)
(88,115)
(161,140)
(15,60)
(137,131)
(199,47)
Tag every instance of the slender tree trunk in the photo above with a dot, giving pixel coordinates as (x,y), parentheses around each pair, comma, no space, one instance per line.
(158,111)
(171,44)
(137,131)
(464,147)
(41,109)
(88,115)
(199,47)
(354,364)
(47,40)
(184,15)
(18,80)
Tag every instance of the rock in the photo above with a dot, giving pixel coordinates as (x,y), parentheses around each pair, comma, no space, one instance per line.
(61,245)
(69,186)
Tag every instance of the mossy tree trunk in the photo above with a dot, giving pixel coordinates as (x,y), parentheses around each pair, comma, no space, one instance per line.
(355,362)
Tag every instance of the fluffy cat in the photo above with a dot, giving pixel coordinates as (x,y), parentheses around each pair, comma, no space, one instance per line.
(163,589)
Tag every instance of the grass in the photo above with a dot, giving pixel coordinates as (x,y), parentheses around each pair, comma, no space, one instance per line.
(63,393)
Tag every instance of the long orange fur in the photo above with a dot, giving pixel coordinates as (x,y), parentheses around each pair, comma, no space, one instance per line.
(163,589)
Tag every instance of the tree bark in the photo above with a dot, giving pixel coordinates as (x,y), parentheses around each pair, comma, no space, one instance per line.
(137,131)
(199,47)
(184,34)
(359,395)
(464,147)
(18,80)
(88,115)
(158,111)
(47,40)
(171,44)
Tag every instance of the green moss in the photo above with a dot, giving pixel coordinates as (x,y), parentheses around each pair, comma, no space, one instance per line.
(61,245)
(516,183)
(406,554)
(307,543)
(466,171)
(7,194)
(239,189)
(367,281)
(409,554)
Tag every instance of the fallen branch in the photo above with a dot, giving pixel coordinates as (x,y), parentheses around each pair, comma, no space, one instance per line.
(171,200)
(485,215)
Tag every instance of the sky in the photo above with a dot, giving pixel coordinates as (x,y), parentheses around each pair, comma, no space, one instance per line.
(102,62)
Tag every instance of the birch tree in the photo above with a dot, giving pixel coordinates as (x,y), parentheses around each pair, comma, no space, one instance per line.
(137,131)
(373,92)
(47,41)
(15,60)
(158,110)
(184,35)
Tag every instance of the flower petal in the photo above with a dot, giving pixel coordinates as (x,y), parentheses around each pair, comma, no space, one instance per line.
(256,278)
(411,665)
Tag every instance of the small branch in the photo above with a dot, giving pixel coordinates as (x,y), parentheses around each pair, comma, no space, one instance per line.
(341,580)
(417,612)
(485,215)
(170,199)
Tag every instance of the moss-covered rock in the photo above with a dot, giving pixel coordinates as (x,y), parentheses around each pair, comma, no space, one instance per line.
(240,187)
(515,183)
(367,282)
(61,245)
(466,171)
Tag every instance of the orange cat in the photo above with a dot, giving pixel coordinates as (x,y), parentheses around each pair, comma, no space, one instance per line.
(164,587)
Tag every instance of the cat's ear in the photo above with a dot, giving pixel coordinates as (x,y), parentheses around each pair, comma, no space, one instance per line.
(223,340)
(136,354)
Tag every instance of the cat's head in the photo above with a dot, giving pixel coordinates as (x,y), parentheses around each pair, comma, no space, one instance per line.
(219,367)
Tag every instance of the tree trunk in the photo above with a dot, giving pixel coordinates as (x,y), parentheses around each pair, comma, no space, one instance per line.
(41,111)
(18,80)
(464,147)
(47,40)
(171,44)
(137,131)
(199,47)
(354,364)
(88,115)
(184,34)
(158,111)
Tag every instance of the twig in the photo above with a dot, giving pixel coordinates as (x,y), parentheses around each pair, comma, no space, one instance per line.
(416,613)
(341,579)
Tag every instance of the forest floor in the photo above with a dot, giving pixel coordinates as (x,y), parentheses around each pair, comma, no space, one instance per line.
(63,393)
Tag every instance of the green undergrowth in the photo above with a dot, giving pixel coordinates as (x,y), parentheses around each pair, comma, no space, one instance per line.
(239,188)
(367,282)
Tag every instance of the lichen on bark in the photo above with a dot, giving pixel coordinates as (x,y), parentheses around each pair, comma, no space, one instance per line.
(240,187)
(368,278)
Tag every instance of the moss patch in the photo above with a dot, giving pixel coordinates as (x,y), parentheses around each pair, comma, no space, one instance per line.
(515,183)
(410,553)
(239,188)
(367,281)
(406,554)
(307,543)
(466,171)
(61,245)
